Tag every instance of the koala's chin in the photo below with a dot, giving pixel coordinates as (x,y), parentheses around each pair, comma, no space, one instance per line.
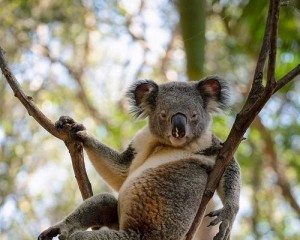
(178,142)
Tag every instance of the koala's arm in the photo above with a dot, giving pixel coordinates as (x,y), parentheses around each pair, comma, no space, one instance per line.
(114,167)
(230,186)
(229,192)
(109,163)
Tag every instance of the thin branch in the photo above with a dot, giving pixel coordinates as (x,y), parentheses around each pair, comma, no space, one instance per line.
(74,146)
(257,86)
(27,101)
(287,78)
(273,45)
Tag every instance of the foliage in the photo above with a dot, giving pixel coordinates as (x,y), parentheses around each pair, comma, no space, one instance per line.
(78,57)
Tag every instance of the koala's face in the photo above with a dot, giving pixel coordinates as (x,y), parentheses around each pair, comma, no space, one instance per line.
(178,112)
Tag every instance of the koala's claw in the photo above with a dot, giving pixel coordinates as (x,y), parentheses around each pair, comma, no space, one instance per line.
(63,121)
(49,233)
(67,123)
(226,218)
(214,214)
(60,229)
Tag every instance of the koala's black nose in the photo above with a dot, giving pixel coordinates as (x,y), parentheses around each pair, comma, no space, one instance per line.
(178,125)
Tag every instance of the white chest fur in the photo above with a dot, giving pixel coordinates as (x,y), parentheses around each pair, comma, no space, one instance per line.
(152,154)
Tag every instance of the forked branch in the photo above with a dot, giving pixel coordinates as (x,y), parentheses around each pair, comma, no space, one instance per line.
(256,100)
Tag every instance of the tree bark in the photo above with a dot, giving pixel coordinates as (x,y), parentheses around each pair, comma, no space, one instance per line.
(74,146)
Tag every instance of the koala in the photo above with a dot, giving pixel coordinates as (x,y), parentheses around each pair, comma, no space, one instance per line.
(161,176)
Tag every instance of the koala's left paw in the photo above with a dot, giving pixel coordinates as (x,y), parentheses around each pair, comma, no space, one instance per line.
(226,216)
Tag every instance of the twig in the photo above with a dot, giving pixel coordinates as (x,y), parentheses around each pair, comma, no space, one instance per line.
(74,146)
(256,100)
(287,78)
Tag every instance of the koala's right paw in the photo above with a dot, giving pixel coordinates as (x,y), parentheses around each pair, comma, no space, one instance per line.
(66,123)
(63,122)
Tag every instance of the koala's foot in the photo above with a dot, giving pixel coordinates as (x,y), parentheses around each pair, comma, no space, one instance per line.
(49,233)
(66,123)
(226,216)
(60,229)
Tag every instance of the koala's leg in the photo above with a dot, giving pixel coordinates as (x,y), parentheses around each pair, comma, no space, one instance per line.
(107,235)
(229,192)
(97,211)
(160,205)
(163,200)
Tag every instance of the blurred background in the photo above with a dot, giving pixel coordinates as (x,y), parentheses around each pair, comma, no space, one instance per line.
(77,58)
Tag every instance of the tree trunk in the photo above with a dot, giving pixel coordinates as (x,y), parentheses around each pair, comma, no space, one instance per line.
(192,22)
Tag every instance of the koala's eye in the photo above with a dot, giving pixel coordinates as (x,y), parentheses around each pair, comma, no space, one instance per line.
(163,115)
(194,115)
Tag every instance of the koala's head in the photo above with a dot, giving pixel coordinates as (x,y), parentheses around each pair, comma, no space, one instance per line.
(178,112)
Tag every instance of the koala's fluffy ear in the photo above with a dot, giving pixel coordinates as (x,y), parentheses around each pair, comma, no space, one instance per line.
(142,96)
(215,93)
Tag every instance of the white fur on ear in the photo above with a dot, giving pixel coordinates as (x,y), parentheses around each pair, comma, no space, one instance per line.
(142,97)
(215,93)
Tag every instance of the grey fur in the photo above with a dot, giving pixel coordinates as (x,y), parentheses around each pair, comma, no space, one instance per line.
(162,175)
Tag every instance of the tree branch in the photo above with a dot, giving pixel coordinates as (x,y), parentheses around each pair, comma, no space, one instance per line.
(74,146)
(273,44)
(256,100)
(287,78)
(257,86)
